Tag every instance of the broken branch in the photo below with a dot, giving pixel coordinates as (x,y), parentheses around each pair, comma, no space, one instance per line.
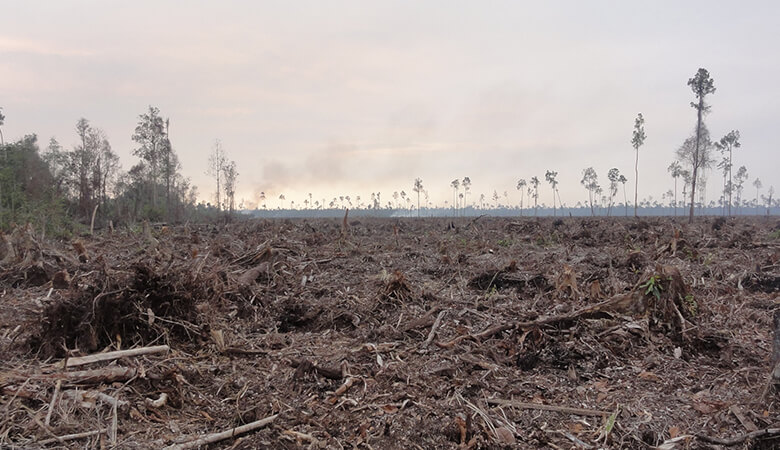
(435,326)
(221,436)
(70,437)
(766,432)
(539,406)
(110,356)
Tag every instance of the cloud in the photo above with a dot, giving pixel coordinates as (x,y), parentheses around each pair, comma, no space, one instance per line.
(16,45)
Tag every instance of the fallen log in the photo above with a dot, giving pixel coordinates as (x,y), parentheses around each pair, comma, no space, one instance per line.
(94,376)
(221,436)
(70,437)
(110,356)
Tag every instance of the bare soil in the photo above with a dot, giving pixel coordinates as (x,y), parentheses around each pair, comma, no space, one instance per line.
(379,333)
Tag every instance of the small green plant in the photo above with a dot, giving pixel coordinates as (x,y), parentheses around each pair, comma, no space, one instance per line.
(775,234)
(609,425)
(708,259)
(653,286)
(504,243)
(691,305)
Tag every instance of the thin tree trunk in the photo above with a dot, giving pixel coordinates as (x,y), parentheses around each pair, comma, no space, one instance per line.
(731,186)
(590,197)
(696,158)
(521,203)
(625,199)
(636,180)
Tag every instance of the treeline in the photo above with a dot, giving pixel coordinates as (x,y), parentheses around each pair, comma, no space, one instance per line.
(61,190)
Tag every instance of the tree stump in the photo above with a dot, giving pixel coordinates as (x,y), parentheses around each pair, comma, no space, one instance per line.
(774,374)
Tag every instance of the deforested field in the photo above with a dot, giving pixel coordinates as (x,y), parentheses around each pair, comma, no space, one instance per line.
(471,332)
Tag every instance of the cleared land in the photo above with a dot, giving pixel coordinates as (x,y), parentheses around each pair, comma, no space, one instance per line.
(382,333)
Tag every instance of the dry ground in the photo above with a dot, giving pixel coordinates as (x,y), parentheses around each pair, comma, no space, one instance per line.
(431,333)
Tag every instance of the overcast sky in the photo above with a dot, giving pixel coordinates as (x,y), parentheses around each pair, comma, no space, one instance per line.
(353,97)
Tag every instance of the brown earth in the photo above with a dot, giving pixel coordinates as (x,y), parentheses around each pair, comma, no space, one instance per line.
(431,333)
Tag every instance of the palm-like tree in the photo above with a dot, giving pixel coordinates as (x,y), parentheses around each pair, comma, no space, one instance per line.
(466,183)
(550,177)
(637,139)
(535,183)
(614,178)
(521,183)
(455,185)
(623,180)
(418,187)
(676,170)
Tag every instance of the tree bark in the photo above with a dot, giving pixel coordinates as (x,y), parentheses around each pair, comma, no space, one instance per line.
(696,157)
(636,180)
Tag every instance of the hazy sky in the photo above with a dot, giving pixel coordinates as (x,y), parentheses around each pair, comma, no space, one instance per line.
(353,97)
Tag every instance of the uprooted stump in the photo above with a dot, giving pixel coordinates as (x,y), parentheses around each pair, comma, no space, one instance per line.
(664,298)
(396,288)
(152,306)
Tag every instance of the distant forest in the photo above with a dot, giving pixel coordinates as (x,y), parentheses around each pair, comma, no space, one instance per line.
(580,211)
(64,191)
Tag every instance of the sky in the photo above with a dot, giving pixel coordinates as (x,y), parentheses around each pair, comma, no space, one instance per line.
(354,97)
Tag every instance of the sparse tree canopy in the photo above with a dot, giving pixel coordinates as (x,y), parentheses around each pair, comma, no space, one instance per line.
(726,146)
(150,136)
(521,184)
(702,85)
(697,160)
(230,175)
(675,169)
(550,177)
(418,188)
(590,180)
(216,168)
(637,140)
(2,122)
(535,183)
(614,178)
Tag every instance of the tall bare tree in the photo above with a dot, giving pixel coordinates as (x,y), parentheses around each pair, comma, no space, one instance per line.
(614,178)
(550,177)
(637,139)
(675,169)
(466,183)
(455,185)
(702,85)
(521,184)
(418,188)
(758,185)
(623,181)
(726,145)
(230,175)
(216,168)
(535,183)
(698,161)
(590,180)
(739,183)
